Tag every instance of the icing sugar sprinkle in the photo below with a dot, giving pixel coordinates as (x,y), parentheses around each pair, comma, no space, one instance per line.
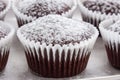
(3,32)
(115,27)
(104,6)
(39,8)
(55,29)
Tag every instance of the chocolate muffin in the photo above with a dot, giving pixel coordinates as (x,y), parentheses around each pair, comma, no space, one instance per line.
(56,46)
(99,10)
(40,8)
(6,34)
(109,29)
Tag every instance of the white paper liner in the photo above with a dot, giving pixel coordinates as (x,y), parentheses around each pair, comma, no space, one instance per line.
(4,12)
(5,42)
(85,46)
(110,38)
(20,16)
(94,17)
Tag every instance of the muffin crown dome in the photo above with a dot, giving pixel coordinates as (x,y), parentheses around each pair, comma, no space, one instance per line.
(55,29)
(104,6)
(39,8)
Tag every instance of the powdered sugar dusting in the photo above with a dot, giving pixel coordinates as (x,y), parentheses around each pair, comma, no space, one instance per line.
(54,29)
(39,8)
(115,26)
(103,6)
(3,31)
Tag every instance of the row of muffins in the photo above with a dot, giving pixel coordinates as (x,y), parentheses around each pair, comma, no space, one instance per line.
(56,46)
(29,10)
(93,11)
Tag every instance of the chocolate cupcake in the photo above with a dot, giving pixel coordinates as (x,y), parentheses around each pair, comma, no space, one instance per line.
(6,35)
(110,31)
(95,11)
(56,46)
(5,5)
(29,10)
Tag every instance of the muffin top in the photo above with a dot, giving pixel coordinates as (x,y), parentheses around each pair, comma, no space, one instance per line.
(115,26)
(2,6)
(3,32)
(39,8)
(55,29)
(107,7)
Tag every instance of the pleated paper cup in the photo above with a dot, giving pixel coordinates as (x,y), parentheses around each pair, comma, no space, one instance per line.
(24,19)
(57,61)
(5,44)
(112,42)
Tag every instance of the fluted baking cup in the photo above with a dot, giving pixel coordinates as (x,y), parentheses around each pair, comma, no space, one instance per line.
(59,60)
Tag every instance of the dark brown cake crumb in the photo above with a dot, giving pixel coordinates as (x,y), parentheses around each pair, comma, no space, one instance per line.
(106,7)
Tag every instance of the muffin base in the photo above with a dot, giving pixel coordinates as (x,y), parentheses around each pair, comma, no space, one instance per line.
(42,66)
(4,54)
(113,55)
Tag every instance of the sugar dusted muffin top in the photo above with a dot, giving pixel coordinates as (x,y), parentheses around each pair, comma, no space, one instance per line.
(39,8)
(55,29)
(107,7)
